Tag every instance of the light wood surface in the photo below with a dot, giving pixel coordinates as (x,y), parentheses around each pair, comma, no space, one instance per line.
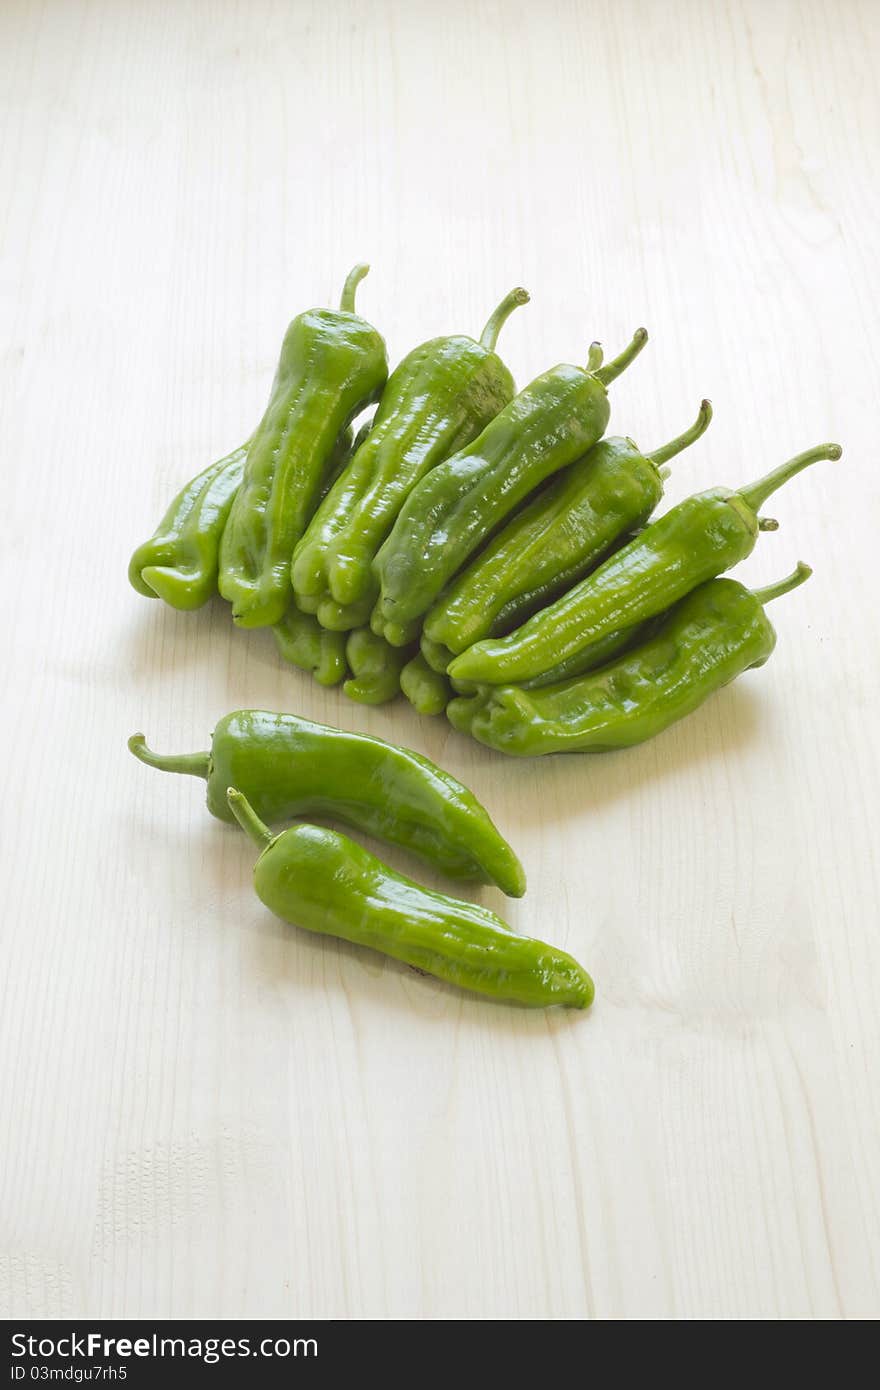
(205,1112)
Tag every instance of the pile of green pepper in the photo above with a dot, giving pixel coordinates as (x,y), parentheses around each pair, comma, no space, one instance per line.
(468,539)
(488,554)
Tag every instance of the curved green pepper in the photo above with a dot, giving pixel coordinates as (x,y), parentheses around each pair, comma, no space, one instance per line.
(291,767)
(439,658)
(709,638)
(591,657)
(375,667)
(558,538)
(179,562)
(305,644)
(332,365)
(437,400)
(324,882)
(595,655)
(694,541)
(552,422)
(427,690)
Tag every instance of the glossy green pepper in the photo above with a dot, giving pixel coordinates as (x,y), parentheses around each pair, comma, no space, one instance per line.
(291,767)
(428,691)
(559,537)
(179,562)
(375,667)
(438,656)
(437,400)
(595,655)
(709,638)
(589,658)
(332,365)
(694,541)
(299,637)
(305,644)
(555,420)
(324,882)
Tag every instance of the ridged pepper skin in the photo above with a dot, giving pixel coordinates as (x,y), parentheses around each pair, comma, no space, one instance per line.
(694,541)
(708,639)
(437,400)
(563,533)
(290,767)
(428,691)
(324,882)
(336,617)
(344,449)
(305,644)
(590,659)
(180,560)
(439,658)
(375,667)
(332,365)
(552,422)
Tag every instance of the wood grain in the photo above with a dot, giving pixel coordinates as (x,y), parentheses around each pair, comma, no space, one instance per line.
(203,1112)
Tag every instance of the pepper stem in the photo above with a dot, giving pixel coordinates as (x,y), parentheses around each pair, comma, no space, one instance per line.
(193,764)
(756,494)
(247,817)
(685,440)
(619,364)
(783,586)
(594,357)
(497,320)
(346,302)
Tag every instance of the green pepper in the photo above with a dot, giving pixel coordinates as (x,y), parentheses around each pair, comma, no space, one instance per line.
(427,690)
(375,667)
(332,365)
(324,882)
(311,604)
(304,643)
(709,638)
(558,417)
(589,658)
(694,541)
(437,400)
(558,538)
(290,767)
(595,655)
(179,562)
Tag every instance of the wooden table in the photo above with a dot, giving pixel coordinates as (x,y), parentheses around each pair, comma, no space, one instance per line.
(205,1112)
